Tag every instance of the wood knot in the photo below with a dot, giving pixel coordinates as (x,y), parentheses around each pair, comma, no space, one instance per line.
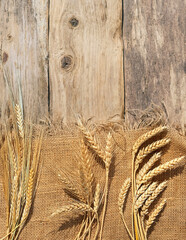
(67,62)
(9,37)
(5,57)
(74,22)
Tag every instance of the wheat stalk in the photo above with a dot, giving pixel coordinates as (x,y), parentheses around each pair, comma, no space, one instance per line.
(20,176)
(107,159)
(163,168)
(154,215)
(147,167)
(142,139)
(150,200)
(140,201)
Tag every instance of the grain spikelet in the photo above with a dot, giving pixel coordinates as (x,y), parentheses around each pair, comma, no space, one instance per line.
(70,188)
(141,190)
(139,202)
(154,215)
(96,198)
(150,200)
(122,194)
(147,136)
(80,207)
(147,167)
(91,140)
(108,151)
(149,149)
(20,121)
(163,168)
(84,185)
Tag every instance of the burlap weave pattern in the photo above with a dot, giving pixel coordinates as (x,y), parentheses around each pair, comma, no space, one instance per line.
(60,151)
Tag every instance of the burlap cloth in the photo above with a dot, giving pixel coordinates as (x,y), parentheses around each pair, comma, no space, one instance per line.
(58,152)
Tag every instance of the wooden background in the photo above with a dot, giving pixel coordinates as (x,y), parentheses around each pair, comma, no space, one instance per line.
(94,57)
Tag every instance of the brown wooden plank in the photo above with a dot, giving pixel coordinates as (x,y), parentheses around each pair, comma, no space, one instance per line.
(24,53)
(154,56)
(86,58)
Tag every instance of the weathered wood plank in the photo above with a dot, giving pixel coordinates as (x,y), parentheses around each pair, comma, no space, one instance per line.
(24,52)
(154,56)
(86,58)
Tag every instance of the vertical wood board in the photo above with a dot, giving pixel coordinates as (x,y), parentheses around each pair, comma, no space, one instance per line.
(154,56)
(86,59)
(24,54)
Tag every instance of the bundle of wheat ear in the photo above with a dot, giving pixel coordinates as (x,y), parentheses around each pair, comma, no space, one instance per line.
(86,193)
(20,160)
(144,189)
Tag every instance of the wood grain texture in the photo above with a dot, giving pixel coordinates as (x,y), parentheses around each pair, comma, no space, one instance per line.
(86,58)
(154,56)
(24,53)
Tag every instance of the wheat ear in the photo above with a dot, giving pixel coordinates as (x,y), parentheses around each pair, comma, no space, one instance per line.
(149,149)
(150,200)
(69,187)
(147,136)
(122,194)
(80,207)
(96,198)
(141,190)
(121,201)
(91,140)
(108,151)
(28,195)
(20,121)
(140,201)
(154,215)
(147,166)
(163,168)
